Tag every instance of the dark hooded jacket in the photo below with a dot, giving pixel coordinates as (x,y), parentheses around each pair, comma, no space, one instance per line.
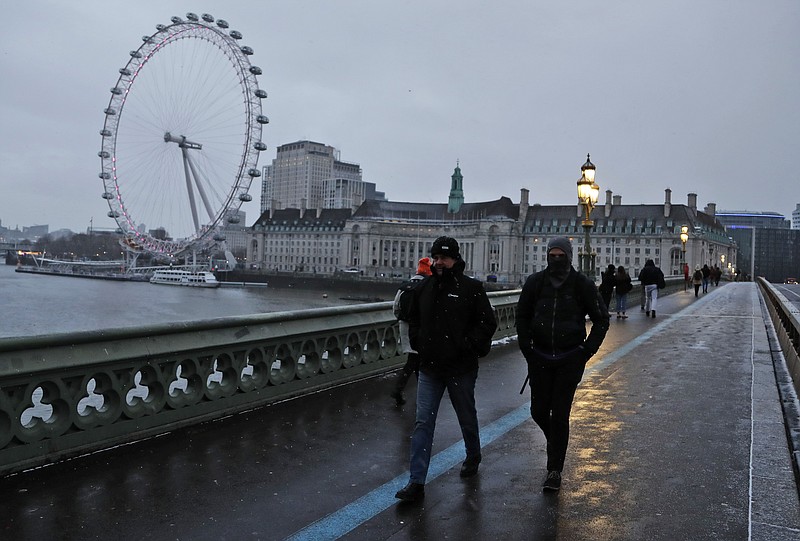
(452,323)
(551,322)
(651,275)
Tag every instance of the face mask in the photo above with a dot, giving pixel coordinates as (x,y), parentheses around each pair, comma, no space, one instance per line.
(557,264)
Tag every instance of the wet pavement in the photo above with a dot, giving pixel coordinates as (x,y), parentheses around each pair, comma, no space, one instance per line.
(677,434)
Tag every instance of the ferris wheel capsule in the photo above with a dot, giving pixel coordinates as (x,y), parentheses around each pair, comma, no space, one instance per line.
(192,17)
(208,18)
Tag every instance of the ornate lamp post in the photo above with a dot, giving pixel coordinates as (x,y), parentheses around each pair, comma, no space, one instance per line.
(588,192)
(684,238)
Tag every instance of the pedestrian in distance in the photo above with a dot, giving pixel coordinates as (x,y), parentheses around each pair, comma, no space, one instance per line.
(402,311)
(685,276)
(623,287)
(697,279)
(451,326)
(716,274)
(706,278)
(551,331)
(652,279)
(607,282)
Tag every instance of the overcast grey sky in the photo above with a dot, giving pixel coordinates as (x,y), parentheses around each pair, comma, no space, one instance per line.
(693,95)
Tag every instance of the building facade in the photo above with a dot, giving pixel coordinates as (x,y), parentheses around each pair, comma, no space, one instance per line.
(500,240)
(296,178)
(767,245)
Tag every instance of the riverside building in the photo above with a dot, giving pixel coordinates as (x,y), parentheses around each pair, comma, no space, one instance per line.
(500,240)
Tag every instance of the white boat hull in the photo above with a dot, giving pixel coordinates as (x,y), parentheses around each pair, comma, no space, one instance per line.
(184,278)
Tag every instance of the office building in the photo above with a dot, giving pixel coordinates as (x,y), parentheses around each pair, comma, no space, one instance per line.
(297,178)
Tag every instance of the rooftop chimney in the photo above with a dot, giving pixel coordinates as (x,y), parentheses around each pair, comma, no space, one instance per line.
(617,200)
(693,202)
(667,202)
(608,203)
(711,209)
(523,204)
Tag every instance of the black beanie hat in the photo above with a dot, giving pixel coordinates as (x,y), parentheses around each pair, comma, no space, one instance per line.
(563,243)
(445,246)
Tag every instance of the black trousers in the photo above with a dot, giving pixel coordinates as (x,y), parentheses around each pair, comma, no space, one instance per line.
(552,391)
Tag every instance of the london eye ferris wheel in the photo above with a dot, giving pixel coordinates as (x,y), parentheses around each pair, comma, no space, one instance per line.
(181,137)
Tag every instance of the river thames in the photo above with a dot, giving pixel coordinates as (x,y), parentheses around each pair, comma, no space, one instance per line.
(35,304)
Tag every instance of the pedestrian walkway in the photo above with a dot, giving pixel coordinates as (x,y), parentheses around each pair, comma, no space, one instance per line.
(677,433)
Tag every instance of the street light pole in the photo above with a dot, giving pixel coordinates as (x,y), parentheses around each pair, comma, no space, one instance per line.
(684,238)
(588,192)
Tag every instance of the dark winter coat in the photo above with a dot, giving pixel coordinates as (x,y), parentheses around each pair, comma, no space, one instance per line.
(607,283)
(551,323)
(624,284)
(452,323)
(652,275)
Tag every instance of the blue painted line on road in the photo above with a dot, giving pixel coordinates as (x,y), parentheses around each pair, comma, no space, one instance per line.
(356,513)
(351,516)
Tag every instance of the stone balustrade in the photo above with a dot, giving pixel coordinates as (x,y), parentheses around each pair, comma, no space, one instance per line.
(68,394)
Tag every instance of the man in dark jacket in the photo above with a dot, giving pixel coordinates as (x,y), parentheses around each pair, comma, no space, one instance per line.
(652,279)
(452,323)
(551,331)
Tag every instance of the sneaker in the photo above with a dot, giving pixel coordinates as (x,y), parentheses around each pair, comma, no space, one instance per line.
(470,466)
(412,492)
(653,313)
(398,397)
(553,481)
(647,314)
(624,316)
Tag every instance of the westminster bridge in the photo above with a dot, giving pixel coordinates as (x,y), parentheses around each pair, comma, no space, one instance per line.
(280,426)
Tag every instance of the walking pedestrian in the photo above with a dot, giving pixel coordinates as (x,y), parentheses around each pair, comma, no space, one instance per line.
(652,279)
(451,326)
(402,311)
(623,287)
(706,278)
(716,274)
(697,279)
(551,330)
(607,283)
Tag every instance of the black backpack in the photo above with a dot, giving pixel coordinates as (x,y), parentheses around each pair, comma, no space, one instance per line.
(403,313)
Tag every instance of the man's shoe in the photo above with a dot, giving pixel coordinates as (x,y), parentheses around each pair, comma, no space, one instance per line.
(647,314)
(553,481)
(412,492)
(653,313)
(398,397)
(470,466)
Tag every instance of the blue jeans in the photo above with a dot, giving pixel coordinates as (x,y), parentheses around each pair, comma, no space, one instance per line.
(622,302)
(430,390)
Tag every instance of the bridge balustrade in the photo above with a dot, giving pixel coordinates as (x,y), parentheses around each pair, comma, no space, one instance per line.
(68,394)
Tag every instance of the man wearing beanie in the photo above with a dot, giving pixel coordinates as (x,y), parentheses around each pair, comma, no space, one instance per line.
(551,332)
(452,324)
(402,311)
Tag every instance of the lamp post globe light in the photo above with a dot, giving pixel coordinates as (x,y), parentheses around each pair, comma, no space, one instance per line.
(684,238)
(588,192)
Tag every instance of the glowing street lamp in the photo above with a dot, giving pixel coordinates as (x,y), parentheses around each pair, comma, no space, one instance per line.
(588,192)
(684,238)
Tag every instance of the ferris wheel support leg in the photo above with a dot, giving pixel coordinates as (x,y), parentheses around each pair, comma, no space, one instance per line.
(189,189)
(200,189)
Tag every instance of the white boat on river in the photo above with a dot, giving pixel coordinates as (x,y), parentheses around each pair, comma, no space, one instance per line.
(184,278)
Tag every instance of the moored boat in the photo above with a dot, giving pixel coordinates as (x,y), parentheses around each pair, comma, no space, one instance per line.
(184,278)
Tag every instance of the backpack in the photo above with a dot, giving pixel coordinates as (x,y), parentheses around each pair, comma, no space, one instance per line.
(402,303)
